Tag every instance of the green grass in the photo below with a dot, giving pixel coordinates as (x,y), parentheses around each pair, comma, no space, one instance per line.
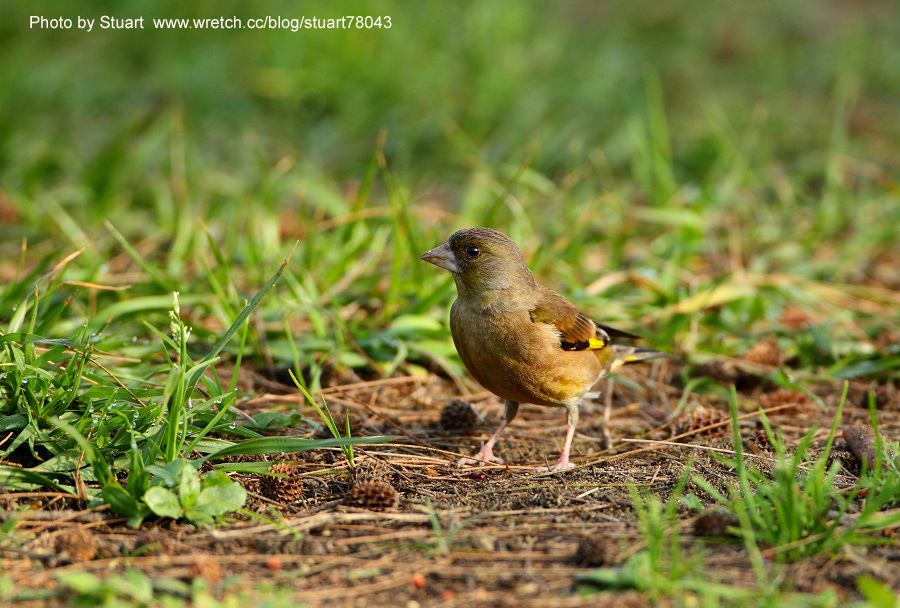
(325,414)
(795,511)
(686,171)
(792,513)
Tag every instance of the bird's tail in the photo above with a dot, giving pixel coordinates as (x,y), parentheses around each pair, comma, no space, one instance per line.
(632,354)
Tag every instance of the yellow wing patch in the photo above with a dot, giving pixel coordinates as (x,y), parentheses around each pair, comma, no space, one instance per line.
(596,343)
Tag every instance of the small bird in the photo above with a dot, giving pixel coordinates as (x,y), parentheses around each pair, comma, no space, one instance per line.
(523,341)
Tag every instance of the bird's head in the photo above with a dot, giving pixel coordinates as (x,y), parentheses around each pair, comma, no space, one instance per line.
(482,260)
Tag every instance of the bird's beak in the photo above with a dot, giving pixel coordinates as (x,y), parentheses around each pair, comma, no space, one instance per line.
(441,257)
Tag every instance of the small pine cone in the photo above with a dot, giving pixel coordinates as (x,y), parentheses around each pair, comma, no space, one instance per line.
(765,352)
(458,415)
(795,318)
(760,439)
(287,489)
(373,495)
(714,523)
(79,544)
(372,469)
(702,417)
(593,551)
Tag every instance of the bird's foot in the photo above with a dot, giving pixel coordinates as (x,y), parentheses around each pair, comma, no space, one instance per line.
(562,465)
(484,454)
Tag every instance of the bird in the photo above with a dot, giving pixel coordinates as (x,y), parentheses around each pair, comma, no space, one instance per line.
(521,340)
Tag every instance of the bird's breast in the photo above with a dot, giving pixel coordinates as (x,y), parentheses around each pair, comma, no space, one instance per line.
(519,360)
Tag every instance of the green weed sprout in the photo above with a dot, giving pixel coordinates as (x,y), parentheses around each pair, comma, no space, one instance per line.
(328,419)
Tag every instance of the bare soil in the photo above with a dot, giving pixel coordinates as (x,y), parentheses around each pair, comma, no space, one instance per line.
(485,536)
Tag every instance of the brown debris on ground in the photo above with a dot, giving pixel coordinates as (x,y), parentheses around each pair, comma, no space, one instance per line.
(795,318)
(765,352)
(406,525)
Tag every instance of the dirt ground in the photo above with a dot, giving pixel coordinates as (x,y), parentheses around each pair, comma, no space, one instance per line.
(436,535)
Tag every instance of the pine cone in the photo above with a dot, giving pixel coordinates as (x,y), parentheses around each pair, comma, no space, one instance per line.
(78,543)
(593,551)
(458,415)
(286,489)
(761,439)
(373,495)
(701,417)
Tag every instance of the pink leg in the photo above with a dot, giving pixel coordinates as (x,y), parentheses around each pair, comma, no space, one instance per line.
(571,421)
(563,463)
(487,450)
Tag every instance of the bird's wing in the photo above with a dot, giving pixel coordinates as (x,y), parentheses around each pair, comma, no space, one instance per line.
(576,331)
(618,333)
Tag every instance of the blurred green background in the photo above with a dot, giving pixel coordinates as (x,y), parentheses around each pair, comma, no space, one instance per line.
(706,150)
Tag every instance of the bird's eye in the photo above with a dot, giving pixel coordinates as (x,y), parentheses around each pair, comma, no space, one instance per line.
(472,251)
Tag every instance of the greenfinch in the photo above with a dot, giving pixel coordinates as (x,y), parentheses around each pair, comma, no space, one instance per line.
(523,341)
